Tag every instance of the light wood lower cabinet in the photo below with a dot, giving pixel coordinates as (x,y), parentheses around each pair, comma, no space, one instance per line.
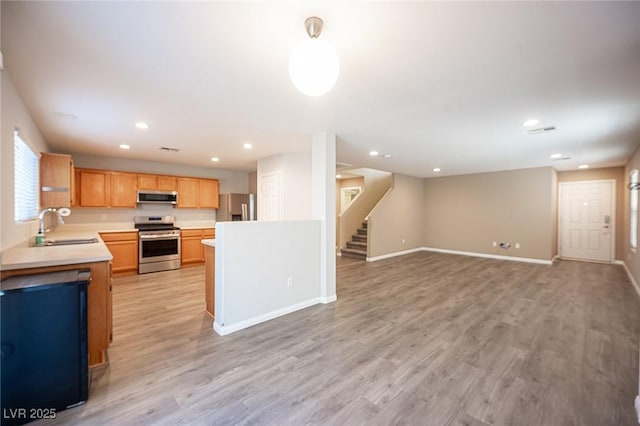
(124,249)
(192,248)
(210,279)
(99,304)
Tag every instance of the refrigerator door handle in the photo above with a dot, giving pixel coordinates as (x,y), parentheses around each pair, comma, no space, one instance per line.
(244,212)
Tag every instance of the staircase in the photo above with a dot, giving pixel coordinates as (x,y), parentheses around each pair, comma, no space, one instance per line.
(357,247)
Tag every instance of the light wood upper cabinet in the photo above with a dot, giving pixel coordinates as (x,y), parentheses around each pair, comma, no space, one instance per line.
(75,188)
(188,192)
(94,188)
(56,180)
(104,188)
(209,194)
(123,189)
(167,183)
(198,193)
(147,182)
(158,182)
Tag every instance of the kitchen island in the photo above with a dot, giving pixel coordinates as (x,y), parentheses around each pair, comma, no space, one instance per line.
(24,260)
(210,275)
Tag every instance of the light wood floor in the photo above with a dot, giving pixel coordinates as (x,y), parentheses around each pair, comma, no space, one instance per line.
(427,339)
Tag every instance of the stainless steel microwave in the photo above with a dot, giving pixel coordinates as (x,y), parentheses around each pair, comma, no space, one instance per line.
(157,197)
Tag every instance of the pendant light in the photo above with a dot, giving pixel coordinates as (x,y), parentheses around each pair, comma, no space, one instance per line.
(314,65)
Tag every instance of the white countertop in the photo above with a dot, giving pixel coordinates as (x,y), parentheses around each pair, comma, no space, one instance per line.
(22,256)
(210,243)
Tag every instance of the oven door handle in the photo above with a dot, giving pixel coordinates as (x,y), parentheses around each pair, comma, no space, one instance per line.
(159,237)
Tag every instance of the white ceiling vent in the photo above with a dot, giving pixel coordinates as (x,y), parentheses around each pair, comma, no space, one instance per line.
(168,149)
(542,130)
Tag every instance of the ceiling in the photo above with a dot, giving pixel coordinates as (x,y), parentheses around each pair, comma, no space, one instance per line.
(442,84)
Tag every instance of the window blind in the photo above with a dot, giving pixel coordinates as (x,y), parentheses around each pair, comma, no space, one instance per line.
(25,180)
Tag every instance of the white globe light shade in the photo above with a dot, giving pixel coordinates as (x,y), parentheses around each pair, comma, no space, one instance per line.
(314,67)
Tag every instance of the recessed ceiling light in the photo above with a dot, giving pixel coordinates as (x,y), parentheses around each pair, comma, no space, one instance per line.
(373,153)
(530,123)
(215,159)
(338,176)
(247,146)
(555,156)
(125,146)
(387,156)
(142,125)
(583,166)
(437,169)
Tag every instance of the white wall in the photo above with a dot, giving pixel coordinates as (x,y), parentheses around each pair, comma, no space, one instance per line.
(14,115)
(323,207)
(295,184)
(396,223)
(254,261)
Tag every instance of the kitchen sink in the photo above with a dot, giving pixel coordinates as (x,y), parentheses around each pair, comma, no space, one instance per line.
(70,241)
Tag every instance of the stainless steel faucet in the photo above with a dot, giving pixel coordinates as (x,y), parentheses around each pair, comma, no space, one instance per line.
(44,212)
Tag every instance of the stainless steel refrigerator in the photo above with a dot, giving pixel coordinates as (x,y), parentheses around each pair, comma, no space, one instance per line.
(236,207)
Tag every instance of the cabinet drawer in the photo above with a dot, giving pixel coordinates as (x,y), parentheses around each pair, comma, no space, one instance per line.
(119,236)
(209,233)
(191,233)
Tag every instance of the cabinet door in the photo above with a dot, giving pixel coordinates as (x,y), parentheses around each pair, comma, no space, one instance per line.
(167,183)
(208,194)
(55,180)
(125,255)
(192,250)
(75,191)
(123,189)
(147,182)
(110,304)
(209,279)
(94,188)
(188,192)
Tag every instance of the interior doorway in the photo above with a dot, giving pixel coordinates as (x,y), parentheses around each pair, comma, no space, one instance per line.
(587,220)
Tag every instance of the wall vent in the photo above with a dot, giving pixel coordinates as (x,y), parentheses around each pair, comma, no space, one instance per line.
(542,130)
(166,148)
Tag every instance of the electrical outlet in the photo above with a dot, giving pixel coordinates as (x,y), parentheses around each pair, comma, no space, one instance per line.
(495,244)
(517,245)
(403,241)
(290,282)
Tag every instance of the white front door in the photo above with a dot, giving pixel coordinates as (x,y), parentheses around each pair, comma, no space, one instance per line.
(587,220)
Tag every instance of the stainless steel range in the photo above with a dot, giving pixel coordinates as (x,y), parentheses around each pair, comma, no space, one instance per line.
(159,243)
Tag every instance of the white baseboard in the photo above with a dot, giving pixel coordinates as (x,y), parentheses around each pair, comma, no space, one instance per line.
(398,253)
(638,408)
(634,283)
(328,299)
(490,256)
(223,330)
